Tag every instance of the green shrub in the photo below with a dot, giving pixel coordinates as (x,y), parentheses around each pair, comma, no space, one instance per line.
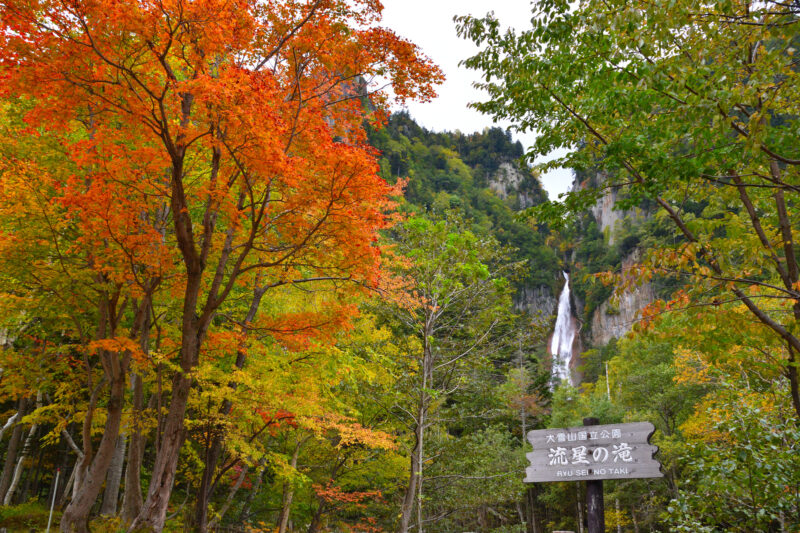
(27,516)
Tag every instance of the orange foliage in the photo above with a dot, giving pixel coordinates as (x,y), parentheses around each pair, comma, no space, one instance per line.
(277,417)
(354,501)
(350,433)
(208,147)
(216,140)
(258,104)
(334,494)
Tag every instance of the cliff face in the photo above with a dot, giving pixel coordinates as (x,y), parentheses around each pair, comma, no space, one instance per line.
(607,217)
(539,302)
(615,317)
(509,180)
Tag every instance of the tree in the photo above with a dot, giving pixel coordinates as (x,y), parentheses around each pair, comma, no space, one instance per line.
(213,144)
(455,299)
(693,106)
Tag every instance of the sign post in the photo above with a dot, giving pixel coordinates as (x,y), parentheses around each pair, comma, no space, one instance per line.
(595,507)
(592,453)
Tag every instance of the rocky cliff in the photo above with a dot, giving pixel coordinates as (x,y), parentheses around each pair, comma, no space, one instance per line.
(615,317)
(604,210)
(509,180)
(538,301)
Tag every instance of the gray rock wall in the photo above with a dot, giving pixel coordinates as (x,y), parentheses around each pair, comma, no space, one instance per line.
(539,302)
(615,317)
(607,217)
(508,181)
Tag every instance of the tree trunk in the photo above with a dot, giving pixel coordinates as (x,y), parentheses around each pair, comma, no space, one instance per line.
(20,465)
(531,501)
(414,489)
(229,499)
(214,450)
(25,450)
(416,470)
(69,485)
(244,515)
(132,496)
(63,485)
(113,478)
(13,448)
(76,515)
(316,520)
(791,374)
(193,328)
(154,510)
(288,491)
(579,507)
(31,484)
(9,423)
(286,508)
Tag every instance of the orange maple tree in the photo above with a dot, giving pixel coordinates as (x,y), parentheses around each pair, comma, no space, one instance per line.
(213,145)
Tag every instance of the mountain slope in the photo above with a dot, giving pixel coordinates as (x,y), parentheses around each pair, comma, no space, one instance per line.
(480,175)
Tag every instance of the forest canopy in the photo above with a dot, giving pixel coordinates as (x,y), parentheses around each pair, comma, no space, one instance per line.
(241,291)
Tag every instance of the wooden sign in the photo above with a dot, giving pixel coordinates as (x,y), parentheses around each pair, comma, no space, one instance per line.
(614,451)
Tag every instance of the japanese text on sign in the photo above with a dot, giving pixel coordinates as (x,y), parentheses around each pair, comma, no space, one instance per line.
(617,451)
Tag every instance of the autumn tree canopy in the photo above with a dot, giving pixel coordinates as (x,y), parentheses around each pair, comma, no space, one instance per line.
(204,147)
(236,293)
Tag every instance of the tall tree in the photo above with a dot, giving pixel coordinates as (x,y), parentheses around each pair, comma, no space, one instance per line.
(456,301)
(693,106)
(219,140)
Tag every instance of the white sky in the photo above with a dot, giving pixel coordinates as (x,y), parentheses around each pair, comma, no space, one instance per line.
(429,24)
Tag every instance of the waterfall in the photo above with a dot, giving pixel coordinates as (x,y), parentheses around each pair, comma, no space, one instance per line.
(563,337)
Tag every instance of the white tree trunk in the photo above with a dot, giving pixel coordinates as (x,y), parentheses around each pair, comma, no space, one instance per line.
(21,459)
(113,478)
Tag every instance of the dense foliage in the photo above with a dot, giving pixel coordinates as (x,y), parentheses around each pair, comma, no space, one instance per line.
(477,174)
(690,111)
(206,298)
(237,294)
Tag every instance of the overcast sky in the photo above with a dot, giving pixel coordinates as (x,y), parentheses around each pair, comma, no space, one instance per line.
(429,24)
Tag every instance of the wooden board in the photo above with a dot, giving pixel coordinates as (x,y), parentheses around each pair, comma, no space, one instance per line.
(613,451)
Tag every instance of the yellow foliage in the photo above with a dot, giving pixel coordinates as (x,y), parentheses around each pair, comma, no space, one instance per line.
(723,406)
(616,518)
(691,368)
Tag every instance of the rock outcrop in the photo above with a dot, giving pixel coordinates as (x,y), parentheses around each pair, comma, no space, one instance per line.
(539,302)
(511,180)
(615,317)
(607,217)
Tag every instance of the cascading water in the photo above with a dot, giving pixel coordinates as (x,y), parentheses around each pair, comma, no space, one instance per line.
(563,337)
